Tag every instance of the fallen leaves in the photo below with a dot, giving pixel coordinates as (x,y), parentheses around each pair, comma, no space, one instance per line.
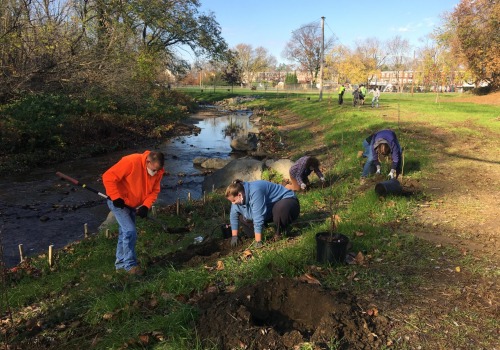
(247,254)
(307,278)
(144,339)
(372,312)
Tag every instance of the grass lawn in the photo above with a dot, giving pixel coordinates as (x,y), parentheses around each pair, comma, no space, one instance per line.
(436,296)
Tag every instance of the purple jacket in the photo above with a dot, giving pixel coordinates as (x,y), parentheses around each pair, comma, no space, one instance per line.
(300,172)
(389,137)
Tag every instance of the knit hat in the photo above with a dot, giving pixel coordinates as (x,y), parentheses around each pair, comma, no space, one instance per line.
(378,142)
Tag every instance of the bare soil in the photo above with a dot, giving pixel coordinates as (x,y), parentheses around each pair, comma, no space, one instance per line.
(286,313)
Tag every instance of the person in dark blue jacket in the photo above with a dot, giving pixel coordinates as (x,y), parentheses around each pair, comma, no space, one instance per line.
(381,143)
(258,202)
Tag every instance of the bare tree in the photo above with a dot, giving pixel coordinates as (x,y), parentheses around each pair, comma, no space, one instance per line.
(373,54)
(398,50)
(251,61)
(305,48)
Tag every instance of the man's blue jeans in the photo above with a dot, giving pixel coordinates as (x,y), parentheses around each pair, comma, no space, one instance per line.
(127,236)
(369,167)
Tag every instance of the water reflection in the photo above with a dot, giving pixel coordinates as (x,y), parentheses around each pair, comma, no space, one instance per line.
(213,141)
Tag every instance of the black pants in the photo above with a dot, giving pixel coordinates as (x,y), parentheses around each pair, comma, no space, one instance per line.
(341,99)
(284,213)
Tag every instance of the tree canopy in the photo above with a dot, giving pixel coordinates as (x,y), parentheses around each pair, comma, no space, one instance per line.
(472,33)
(54,44)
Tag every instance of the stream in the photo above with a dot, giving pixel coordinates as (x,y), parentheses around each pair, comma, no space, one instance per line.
(38,209)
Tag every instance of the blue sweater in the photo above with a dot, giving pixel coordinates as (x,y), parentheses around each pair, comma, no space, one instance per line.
(260,197)
(392,140)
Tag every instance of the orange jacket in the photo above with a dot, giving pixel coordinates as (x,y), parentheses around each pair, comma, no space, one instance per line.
(129,179)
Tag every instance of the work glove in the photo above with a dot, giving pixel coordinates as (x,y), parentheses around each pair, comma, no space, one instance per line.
(234,241)
(392,174)
(303,186)
(322,179)
(142,211)
(259,244)
(119,203)
(378,169)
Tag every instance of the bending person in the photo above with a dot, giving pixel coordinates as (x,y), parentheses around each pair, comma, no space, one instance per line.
(381,143)
(258,202)
(133,182)
(300,171)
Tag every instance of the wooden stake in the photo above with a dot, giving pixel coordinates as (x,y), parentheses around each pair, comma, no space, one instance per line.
(85,231)
(153,211)
(213,187)
(204,197)
(178,206)
(189,196)
(21,252)
(107,233)
(50,255)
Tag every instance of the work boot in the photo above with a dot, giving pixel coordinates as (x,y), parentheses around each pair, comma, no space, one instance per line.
(136,270)
(360,154)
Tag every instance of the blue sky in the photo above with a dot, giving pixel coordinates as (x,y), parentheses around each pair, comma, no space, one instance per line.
(269,23)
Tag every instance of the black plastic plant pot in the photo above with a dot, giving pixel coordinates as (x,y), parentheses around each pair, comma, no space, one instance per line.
(388,187)
(331,248)
(226,230)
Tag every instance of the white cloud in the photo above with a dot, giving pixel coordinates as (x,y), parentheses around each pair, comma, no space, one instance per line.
(413,27)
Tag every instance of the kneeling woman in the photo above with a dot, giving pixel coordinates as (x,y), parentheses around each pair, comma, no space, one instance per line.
(258,202)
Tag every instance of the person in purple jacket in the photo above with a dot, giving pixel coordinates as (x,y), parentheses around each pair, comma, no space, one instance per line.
(300,171)
(381,143)
(256,203)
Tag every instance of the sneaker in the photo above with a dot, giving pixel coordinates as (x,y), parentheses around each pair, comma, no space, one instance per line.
(360,154)
(135,270)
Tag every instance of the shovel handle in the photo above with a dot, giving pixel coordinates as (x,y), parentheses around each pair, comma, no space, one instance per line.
(77,183)
(67,178)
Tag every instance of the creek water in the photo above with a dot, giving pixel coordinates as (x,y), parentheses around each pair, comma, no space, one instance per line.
(38,209)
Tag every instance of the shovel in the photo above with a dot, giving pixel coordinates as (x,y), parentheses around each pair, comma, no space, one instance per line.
(77,183)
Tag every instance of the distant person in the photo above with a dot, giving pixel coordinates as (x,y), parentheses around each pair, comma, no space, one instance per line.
(355,96)
(381,143)
(341,94)
(132,184)
(376,96)
(259,202)
(300,171)
(362,94)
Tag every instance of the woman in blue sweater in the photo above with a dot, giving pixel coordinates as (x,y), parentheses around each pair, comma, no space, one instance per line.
(258,202)
(381,143)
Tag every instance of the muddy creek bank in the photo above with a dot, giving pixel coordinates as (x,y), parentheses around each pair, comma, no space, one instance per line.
(38,209)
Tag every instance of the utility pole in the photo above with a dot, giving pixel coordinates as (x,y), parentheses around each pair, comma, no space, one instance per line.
(322,58)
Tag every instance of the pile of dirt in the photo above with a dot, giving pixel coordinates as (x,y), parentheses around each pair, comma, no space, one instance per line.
(284,313)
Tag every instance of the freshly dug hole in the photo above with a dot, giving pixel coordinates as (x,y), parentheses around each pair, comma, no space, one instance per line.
(283,312)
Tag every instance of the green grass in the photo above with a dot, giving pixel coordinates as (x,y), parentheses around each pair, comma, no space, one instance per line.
(113,309)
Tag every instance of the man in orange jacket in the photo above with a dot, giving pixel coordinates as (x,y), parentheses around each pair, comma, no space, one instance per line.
(132,184)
